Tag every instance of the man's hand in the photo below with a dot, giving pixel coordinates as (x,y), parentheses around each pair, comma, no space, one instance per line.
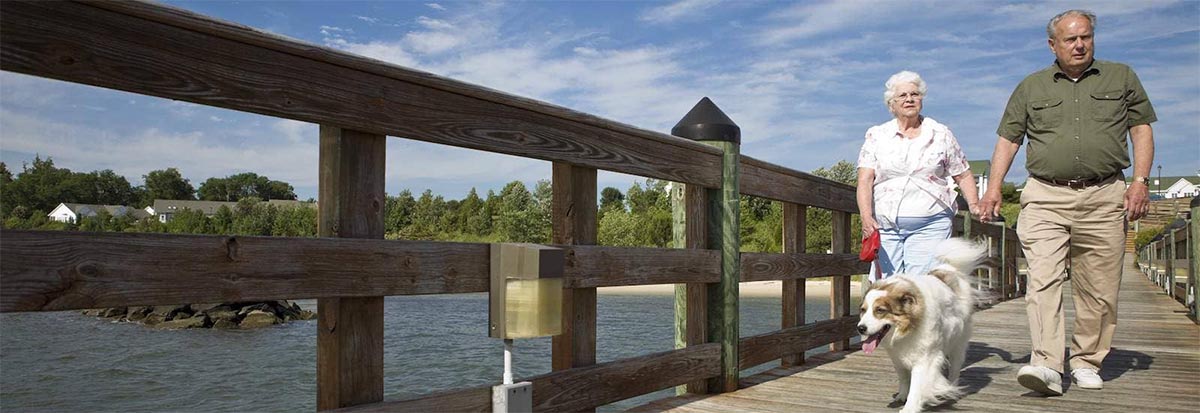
(989,206)
(1137,201)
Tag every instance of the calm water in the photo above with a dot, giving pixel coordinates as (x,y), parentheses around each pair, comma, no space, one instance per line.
(65,361)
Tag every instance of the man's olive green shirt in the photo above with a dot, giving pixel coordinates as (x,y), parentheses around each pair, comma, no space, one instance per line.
(1076,129)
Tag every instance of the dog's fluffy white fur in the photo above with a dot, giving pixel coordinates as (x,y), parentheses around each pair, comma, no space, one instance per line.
(924,320)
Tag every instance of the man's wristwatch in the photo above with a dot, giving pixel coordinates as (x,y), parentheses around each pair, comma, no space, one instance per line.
(1142,179)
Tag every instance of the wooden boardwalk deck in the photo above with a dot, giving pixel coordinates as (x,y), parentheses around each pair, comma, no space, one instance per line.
(1154,366)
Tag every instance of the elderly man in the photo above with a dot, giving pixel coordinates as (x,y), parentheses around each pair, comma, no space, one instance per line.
(1075,115)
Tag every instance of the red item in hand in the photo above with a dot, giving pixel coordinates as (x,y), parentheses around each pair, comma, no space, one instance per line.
(870,247)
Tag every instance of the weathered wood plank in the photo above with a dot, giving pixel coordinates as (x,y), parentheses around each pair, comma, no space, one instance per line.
(793,291)
(579,388)
(766,180)
(59,270)
(573,217)
(759,266)
(350,329)
(689,226)
(839,287)
(153,50)
(591,266)
(762,348)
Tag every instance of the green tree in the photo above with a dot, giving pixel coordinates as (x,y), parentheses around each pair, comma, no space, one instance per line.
(189,221)
(426,216)
(105,188)
(518,219)
(166,184)
(470,218)
(294,222)
(222,220)
(253,217)
(819,230)
(41,186)
(248,184)
(397,212)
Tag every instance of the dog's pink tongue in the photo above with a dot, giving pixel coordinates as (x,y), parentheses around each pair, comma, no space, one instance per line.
(869,344)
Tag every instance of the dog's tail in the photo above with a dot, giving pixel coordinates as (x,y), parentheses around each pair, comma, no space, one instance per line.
(959,258)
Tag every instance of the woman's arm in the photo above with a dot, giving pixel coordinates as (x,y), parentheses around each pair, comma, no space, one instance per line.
(865,193)
(966,183)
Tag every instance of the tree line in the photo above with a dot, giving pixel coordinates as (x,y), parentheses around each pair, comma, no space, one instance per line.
(639,216)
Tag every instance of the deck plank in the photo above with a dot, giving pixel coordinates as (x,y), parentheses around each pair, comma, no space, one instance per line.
(1154,365)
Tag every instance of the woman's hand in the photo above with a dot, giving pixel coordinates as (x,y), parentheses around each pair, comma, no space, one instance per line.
(868,226)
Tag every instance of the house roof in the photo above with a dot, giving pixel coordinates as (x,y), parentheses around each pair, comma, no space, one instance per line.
(980,167)
(91,210)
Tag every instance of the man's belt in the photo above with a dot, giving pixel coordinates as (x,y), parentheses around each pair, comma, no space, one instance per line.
(1078,183)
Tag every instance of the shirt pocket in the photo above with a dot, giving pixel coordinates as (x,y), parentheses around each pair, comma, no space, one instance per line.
(1046,113)
(1107,106)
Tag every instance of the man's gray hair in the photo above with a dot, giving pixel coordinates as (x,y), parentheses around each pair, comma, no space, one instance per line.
(1074,12)
(900,78)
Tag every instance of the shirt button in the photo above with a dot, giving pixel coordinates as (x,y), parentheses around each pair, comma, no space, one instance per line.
(1076,100)
(1077,158)
(1076,119)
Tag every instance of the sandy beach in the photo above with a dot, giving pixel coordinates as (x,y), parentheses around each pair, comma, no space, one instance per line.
(747,289)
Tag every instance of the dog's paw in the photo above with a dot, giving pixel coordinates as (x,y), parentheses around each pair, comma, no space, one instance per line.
(897,400)
(907,409)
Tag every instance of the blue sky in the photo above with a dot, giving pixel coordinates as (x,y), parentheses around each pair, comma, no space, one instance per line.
(804,80)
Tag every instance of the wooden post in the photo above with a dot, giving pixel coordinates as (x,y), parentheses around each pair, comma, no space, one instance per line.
(1169,258)
(707,124)
(350,330)
(1004,265)
(794,238)
(839,288)
(573,216)
(689,230)
(1194,261)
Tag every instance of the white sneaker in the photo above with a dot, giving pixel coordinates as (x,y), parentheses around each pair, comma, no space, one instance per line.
(1087,379)
(1041,379)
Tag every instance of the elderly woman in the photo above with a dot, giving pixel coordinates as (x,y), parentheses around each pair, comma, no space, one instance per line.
(904,172)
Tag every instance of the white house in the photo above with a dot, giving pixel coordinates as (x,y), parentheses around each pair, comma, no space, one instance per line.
(1181,187)
(65,212)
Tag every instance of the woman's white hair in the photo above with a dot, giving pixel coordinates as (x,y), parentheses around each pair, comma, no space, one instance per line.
(902,78)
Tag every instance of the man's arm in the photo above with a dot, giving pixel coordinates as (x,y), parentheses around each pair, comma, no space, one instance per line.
(1002,158)
(1137,196)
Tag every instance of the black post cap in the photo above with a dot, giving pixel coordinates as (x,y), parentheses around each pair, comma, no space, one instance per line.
(706,122)
(1195,201)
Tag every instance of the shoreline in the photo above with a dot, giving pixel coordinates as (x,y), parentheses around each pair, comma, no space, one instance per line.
(746,289)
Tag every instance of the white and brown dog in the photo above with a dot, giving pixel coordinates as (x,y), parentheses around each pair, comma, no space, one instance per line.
(924,320)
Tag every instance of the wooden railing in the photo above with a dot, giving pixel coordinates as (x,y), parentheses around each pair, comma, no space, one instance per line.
(161,51)
(1171,259)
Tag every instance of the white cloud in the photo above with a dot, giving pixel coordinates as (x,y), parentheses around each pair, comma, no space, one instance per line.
(367,19)
(435,6)
(434,24)
(681,9)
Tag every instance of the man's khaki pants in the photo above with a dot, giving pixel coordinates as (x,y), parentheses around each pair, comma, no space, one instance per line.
(1088,225)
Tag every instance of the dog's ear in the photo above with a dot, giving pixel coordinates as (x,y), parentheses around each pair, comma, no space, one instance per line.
(908,301)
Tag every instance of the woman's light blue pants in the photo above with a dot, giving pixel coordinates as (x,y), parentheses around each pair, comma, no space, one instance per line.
(909,247)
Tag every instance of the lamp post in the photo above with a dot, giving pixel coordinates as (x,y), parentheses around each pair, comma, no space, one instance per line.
(1159,180)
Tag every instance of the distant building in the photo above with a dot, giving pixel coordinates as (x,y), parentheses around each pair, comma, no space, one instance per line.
(166,208)
(980,169)
(1169,187)
(65,212)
